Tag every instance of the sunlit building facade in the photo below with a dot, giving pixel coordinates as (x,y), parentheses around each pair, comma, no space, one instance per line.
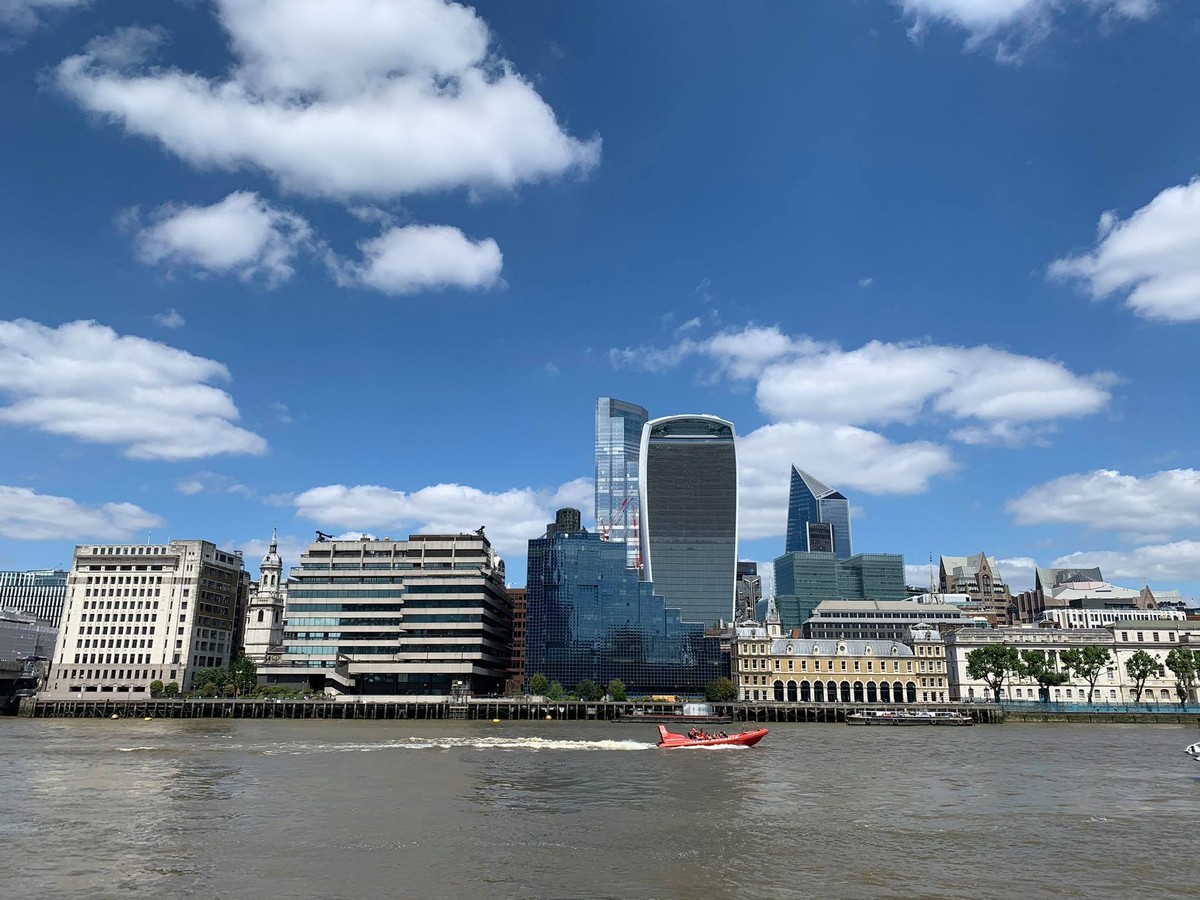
(589,617)
(618,451)
(40,592)
(818,517)
(689,490)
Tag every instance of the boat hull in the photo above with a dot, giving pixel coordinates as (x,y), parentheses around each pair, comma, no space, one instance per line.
(670,741)
(905,719)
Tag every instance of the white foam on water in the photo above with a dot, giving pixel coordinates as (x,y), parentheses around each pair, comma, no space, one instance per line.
(504,744)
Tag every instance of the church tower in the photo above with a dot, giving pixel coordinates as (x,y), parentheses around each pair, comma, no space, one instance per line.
(264,614)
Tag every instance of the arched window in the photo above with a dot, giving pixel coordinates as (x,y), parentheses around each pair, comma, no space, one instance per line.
(831,691)
(885,693)
(779,691)
(791,692)
(912,692)
(845,692)
(872,693)
(818,691)
(858,692)
(260,615)
(806,691)
(897,692)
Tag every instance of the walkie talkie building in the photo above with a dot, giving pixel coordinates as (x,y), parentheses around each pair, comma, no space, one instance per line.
(689,486)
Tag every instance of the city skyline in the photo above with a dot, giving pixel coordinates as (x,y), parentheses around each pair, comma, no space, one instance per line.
(910,249)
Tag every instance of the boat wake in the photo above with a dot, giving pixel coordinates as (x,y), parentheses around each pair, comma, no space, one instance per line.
(503,744)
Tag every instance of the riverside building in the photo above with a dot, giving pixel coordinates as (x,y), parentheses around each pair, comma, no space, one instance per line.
(882,620)
(689,490)
(788,669)
(265,610)
(589,617)
(41,593)
(618,454)
(806,578)
(383,617)
(141,612)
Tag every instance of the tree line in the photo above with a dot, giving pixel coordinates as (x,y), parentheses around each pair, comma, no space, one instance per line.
(719,690)
(994,663)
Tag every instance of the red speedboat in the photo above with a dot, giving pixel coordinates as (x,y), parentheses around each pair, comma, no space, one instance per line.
(670,741)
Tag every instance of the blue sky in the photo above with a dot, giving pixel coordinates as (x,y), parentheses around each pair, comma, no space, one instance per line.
(365,266)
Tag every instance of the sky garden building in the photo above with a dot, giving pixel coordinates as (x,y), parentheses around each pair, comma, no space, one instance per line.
(379,617)
(689,488)
(589,617)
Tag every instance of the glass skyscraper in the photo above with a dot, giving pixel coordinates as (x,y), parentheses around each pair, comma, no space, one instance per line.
(588,616)
(618,447)
(689,492)
(818,517)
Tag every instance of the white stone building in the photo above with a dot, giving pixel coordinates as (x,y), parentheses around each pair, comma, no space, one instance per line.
(137,613)
(265,611)
(1100,618)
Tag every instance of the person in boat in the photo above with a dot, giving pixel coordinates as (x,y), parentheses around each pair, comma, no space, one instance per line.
(695,733)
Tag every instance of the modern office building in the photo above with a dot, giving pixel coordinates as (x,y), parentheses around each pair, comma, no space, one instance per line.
(749,591)
(879,620)
(516,666)
(265,610)
(383,617)
(618,451)
(25,637)
(818,517)
(804,579)
(689,495)
(40,592)
(137,613)
(589,617)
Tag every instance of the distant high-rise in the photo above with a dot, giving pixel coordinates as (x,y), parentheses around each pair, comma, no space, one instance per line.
(618,447)
(688,480)
(818,517)
(41,593)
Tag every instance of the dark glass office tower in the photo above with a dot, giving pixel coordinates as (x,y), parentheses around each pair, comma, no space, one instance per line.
(689,514)
(818,518)
(587,616)
(618,447)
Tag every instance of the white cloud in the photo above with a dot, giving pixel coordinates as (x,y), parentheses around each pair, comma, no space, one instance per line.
(1161,564)
(1013,25)
(1152,258)
(918,575)
(85,381)
(241,235)
(29,516)
(866,282)
(25,15)
(412,258)
(212,483)
(881,383)
(511,517)
(1017,572)
(849,457)
(362,98)
(1164,502)
(741,353)
(169,319)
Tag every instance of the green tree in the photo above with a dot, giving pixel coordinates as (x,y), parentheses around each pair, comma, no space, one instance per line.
(244,675)
(720,690)
(992,664)
(209,690)
(171,690)
(214,675)
(156,688)
(589,690)
(1185,666)
(1140,666)
(1039,665)
(554,691)
(616,690)
(1087,664)
(539,684)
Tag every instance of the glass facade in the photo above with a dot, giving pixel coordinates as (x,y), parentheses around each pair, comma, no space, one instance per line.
(587,616)
(40,593)
(811,502)
(689,510)
(872,576)
(804,579)
(618,447)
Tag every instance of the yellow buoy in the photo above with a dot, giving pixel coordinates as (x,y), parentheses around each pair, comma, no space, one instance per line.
(114,716)
(548,718)
(149,718)
(495,721)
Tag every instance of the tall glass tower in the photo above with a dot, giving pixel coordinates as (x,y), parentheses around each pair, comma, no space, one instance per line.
(618,447)
(818,517)
(689,487)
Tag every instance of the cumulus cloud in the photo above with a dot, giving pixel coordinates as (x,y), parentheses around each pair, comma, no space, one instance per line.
(1161,503)
(86,381)
(241,235)
(1152,258)
(362,98)
(22,16)
(29,516)
(1162,564)
(1012,26)
(212,483)
(169,319)
(413,258)
(1017,572)
(511,517)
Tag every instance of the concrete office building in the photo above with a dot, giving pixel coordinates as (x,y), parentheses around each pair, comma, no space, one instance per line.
(39,592)
(139,612)
(883,620)
(689,528)
(618,454)
(405,618)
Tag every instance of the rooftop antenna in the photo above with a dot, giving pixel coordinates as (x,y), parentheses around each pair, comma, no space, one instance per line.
(932,597)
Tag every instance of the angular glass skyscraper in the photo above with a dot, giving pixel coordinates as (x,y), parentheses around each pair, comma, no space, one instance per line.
(588,616)
(618,447)
(689,487)
(818,518)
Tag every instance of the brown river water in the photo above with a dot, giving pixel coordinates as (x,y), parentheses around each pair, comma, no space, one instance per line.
(345,809)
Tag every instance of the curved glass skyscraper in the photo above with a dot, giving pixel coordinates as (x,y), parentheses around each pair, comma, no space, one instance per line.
(689,487)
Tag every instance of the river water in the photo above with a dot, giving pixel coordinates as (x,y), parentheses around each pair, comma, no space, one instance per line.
(343,809)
